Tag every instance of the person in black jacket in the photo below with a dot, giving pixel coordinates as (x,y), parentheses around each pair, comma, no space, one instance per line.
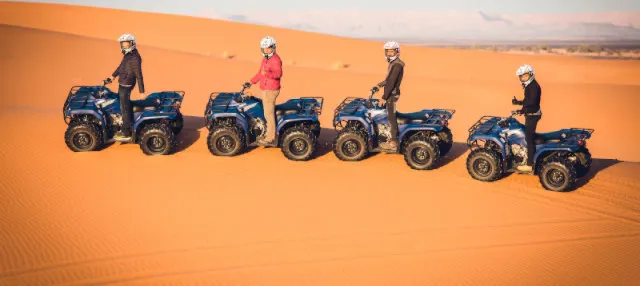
(531,111)
(391,93)
(129,72)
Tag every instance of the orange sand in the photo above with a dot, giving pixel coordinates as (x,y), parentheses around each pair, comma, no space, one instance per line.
(120,217)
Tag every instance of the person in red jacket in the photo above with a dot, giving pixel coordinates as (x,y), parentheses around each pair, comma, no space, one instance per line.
(269,76)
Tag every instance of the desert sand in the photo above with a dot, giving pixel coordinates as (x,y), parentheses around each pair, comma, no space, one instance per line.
(120,217)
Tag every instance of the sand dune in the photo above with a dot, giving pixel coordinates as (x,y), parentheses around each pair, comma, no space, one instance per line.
(119,217)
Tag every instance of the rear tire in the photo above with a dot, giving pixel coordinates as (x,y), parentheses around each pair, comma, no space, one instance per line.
(350,146)
(156,139)
(583,165)
(558,175)
(299,144)
(484,165)
(445,141)
(83,137)
(226,141)
(421,153)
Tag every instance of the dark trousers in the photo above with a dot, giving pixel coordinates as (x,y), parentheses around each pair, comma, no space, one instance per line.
(126,108)
(530,124)
(391,116)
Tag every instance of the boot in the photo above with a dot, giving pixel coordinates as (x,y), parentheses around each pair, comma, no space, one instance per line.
(525,168)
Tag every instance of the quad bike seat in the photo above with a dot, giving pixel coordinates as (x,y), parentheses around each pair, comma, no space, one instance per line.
(418,117)
(553,136)
(287,108)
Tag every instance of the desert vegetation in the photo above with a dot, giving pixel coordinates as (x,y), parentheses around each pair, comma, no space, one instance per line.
(585,50)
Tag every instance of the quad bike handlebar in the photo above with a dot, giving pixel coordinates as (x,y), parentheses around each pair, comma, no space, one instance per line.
(244,96)
(373,91)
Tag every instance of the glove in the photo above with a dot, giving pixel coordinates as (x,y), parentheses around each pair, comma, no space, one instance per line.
(374,89)
(514,101)
(246,85)
(107,81)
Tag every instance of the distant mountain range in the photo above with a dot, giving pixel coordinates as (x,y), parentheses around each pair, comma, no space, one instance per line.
(417,27)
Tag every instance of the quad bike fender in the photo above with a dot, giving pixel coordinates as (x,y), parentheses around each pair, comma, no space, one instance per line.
(284,124)
(146,119)
(497,141)
(365,122)
(95,113)
(434,129)
(548,150)
(240,120)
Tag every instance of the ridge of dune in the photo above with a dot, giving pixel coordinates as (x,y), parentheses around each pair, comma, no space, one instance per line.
(118,216)
(214,37)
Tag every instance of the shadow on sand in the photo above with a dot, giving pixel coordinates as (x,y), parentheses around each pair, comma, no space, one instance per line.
(456,151)
(597,166)
(190,132)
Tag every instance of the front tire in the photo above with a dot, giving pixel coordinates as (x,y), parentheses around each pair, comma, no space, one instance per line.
(445,141)
(299,144)
(558,175)
(83,137)
(226,141)
(156,139)
(421,153)
(484,165)
(350,146)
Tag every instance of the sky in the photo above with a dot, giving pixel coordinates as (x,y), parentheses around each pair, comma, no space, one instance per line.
(195,7)
(417,21)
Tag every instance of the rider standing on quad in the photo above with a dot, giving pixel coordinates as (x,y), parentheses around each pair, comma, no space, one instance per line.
(129,72)
(269,76)
(391,93)
(531,111)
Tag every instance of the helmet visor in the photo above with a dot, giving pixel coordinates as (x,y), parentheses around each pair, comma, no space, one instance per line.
(268,50)
(125,44)
(390,52)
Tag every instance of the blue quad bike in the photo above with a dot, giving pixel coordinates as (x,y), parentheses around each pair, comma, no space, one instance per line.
(498,146)
(236,120)
(93,116)
(362,124)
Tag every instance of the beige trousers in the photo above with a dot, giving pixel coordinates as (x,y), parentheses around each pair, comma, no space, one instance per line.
(269,104)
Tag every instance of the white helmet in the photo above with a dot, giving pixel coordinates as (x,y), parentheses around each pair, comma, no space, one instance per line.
(392,45)
(267,42)
(526,69)
(127,38)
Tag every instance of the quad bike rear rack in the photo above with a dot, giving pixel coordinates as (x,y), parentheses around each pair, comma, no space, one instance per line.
(174,101)
(311,105)
(438,115)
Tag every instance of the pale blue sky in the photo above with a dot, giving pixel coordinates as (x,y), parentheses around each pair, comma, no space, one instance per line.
(195,7)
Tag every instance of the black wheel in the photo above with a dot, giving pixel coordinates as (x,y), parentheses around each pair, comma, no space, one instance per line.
(445,141)
(156,139)
(83,137)
(177,124)
(350,146)
(298,143)
(226,141)
(583,165)
(421,153)
(558,175)
(484,165)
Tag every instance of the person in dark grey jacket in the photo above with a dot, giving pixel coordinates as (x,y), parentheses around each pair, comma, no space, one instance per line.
(129,72)
(531,111)
(391,93)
